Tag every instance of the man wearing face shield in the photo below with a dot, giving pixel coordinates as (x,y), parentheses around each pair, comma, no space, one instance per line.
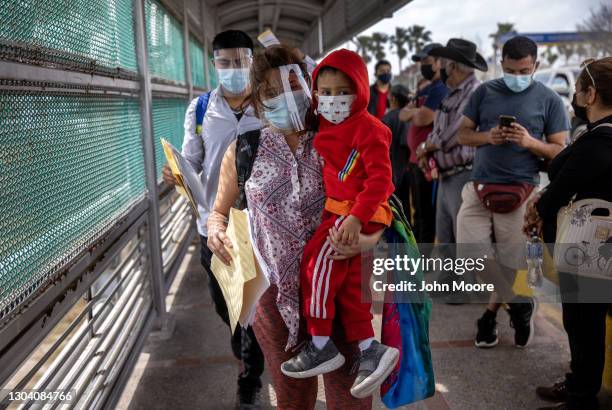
(227,113)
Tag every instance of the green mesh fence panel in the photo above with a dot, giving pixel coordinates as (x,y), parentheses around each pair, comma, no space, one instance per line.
(70,165)
(164,43)
(197,63)
(168,119)
(70,31)
(212,73)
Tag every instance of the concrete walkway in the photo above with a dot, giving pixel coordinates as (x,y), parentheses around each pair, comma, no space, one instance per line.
(196,370)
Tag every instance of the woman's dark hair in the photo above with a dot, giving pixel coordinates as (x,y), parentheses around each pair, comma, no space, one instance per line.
(520,47)
(232,39)
(270,58)
(601,70)
(401,95)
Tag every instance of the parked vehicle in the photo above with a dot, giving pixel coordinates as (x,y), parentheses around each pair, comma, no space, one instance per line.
(561,80)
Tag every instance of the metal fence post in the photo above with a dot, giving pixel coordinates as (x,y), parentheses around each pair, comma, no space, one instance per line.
(188,75)
(165,322)
(206,63)
(206,50)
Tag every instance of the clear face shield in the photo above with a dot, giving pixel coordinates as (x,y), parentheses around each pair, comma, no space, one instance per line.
(286,99)
(233,66)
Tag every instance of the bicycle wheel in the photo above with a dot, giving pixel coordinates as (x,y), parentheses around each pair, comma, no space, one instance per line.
(574,256)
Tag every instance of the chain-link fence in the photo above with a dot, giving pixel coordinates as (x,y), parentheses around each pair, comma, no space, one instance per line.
(196,52)
(71,160)
(69,166)
(85,226)
(164,43)
(76,34)
(168,115)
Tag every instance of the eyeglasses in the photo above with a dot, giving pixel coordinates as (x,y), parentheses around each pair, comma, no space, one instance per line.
(585,66)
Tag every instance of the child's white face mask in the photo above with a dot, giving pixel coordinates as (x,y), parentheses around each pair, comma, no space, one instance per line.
(335,108)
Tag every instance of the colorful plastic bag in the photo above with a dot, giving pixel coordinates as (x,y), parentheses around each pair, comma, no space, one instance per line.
(405,326)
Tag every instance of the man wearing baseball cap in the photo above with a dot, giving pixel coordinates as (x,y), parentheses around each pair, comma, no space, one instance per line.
(459,60)
(421,116)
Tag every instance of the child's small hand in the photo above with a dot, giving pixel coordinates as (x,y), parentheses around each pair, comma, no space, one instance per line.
(349,230)
(333,235)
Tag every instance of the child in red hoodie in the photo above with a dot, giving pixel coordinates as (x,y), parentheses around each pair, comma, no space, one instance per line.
(357,178)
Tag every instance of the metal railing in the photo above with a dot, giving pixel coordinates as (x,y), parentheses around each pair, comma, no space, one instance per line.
(81,330)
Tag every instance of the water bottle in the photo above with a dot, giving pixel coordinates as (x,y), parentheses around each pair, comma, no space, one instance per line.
(535,256)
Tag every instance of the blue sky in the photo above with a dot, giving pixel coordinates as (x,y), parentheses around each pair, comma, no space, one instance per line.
(475,19)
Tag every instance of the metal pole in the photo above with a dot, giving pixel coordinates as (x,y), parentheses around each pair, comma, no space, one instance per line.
(164,322)
(206,57)
(207,63)
(186,51)
(320,35)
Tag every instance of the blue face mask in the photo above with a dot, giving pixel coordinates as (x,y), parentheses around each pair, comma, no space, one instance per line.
(517,83)
(278,115)
(234,80)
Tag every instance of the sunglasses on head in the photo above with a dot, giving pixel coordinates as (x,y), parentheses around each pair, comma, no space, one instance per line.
(585,66)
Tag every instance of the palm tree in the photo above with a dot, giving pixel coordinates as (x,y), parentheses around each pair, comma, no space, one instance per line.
(377,46)
(418,36)
(550,56)
(398,41)
(363,44)
(502,29)
(567,49)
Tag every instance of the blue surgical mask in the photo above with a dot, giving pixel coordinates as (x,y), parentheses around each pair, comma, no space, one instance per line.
(517,83)
(278,115)
(234,80)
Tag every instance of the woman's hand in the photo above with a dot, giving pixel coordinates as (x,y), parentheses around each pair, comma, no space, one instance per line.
(168,176)
(532,222)
(342,251)
(218,242)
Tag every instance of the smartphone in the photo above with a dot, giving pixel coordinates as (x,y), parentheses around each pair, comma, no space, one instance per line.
(506,120)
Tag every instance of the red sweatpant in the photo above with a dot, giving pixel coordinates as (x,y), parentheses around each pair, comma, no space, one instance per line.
(327,285)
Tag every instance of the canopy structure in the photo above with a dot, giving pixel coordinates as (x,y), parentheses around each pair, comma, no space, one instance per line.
(313,25)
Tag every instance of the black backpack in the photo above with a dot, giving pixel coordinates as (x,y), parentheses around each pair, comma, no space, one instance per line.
(246,148)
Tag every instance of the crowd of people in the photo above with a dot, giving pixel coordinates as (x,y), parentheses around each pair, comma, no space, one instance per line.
(315,155)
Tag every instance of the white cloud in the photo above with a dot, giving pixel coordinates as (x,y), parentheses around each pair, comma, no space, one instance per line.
(475,20)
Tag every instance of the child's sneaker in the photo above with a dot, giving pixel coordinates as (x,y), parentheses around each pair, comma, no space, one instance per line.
(375,364)
(313,362)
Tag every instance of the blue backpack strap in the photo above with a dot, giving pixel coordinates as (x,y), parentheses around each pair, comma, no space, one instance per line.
(201,107)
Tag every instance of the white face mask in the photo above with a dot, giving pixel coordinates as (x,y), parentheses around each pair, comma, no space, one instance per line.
(335,108)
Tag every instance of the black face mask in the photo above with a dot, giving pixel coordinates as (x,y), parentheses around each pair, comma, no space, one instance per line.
(579,112)
(384,78)
(443,75)
(427,71)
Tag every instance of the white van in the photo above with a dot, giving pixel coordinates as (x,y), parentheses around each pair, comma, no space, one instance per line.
(561,80)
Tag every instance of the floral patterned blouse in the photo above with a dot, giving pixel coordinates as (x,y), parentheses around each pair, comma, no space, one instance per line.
(286,197)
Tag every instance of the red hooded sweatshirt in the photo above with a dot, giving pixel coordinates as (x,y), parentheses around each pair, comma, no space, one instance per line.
(357,164)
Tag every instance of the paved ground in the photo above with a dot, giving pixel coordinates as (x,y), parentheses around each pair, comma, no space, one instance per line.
(195,369)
